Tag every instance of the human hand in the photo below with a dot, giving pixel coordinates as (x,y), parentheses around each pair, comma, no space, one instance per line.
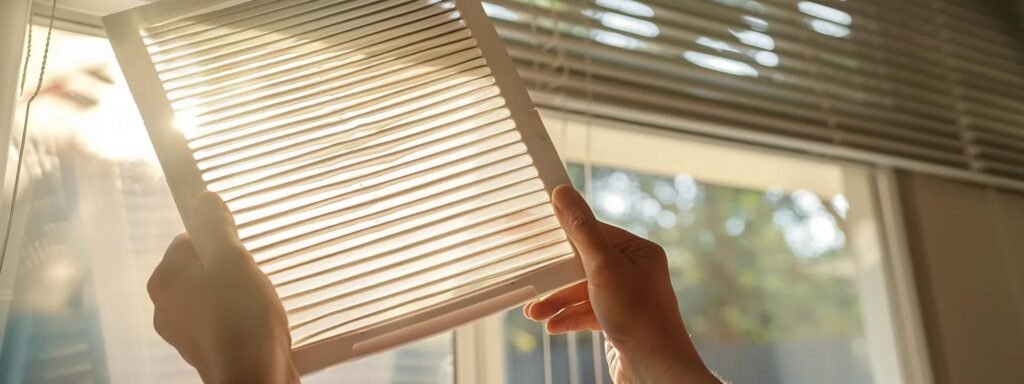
(217,308)
(628,295)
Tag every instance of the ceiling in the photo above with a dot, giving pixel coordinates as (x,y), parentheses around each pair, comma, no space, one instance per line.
(98,7)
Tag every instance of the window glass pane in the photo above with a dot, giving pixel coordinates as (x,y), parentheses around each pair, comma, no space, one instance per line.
(764,279)
(763,283)
(94,217)
(577,175)
(524,349)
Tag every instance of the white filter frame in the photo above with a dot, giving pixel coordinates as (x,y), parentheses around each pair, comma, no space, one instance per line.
(186,183)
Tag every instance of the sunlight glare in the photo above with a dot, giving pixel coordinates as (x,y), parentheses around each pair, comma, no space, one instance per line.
(828,28)
(720,64)
(499,12)
(754,39)
(716,44)
(631,7)
(616,40)
(624,23)
(825,12)
(768,59)
(756,23)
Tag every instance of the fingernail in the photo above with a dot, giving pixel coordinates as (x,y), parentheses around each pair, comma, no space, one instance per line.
(565,196)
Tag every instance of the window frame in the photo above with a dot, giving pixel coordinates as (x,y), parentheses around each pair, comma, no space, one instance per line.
(14,18)
(876,239)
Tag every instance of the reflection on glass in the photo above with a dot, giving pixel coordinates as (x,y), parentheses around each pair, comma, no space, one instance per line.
(720,64)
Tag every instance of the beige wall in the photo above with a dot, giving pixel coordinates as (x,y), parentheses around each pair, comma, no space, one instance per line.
(968,253)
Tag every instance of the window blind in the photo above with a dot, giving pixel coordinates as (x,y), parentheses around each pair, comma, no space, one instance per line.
(383,162)
(933,81)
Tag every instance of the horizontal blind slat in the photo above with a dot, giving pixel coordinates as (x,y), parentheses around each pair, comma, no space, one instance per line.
(923,80)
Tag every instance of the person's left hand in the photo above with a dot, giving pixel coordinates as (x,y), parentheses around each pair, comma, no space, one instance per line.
(217,308)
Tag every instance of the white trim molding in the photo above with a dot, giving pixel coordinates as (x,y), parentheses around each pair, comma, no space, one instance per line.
(479,353)
(905,305)
(14,16)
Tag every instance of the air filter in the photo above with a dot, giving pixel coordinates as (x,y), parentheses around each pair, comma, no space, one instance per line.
(383,161)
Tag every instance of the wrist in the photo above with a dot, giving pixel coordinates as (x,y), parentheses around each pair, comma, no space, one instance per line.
(272,367)
(275,374)
(675,360)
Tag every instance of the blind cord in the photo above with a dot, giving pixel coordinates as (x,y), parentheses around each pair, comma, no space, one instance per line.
(28,57)
(24,128)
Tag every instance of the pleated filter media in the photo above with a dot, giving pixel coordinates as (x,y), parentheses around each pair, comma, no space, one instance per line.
(381,158)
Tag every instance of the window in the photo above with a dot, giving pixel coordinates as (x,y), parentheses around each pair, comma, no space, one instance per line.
(774,259)
(94,217)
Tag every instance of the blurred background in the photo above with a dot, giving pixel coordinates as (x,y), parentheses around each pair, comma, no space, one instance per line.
(839,186)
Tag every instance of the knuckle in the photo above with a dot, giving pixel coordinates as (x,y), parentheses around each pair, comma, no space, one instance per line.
(155,283)
(655,250)
(579,219)
(151,285)
(179,244)
(634,245)
(640,248)
(159,326)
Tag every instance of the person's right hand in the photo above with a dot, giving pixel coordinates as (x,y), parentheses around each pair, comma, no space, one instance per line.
(214,305)
(627,295)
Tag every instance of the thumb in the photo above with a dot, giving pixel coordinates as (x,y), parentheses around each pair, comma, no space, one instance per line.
(584,231)
(215,233)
